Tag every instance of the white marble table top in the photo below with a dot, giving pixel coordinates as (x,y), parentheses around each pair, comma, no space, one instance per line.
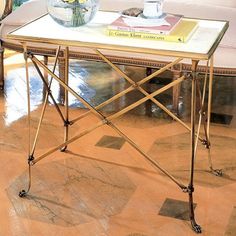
(45,30)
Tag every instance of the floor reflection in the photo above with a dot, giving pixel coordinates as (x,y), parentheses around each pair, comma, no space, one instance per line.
(96,82)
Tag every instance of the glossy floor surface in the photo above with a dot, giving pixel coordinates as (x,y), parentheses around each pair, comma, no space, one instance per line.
(101,186)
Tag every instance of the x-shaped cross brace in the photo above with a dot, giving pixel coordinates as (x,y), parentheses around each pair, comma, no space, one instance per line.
(108,120)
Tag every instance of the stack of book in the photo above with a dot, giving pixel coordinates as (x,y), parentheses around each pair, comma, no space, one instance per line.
(174,28)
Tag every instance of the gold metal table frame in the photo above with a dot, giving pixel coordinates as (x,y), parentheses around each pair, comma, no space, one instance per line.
(198,95)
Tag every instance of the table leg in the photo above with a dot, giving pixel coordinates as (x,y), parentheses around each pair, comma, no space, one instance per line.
(195,226)
(23,192)
(217,172)
(67,122)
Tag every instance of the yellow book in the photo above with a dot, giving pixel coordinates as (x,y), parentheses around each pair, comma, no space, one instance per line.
(182,32)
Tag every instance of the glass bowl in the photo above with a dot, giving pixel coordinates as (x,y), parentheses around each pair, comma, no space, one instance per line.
(72,13)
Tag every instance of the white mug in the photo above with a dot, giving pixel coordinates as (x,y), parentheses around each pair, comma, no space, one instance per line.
(153,8)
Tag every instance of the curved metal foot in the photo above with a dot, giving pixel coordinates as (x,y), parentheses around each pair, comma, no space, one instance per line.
(63,149)
(197,228)
(217,172)
(22,193)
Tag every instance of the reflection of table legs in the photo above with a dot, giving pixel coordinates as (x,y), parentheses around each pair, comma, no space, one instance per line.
(1,67)
(107,120)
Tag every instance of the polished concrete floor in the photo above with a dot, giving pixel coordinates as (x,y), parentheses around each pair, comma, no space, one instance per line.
(101,185)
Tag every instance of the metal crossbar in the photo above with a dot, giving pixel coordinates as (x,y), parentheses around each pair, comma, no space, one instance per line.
(107,120)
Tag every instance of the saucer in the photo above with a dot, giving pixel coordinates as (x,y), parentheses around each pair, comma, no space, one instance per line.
(162,16)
